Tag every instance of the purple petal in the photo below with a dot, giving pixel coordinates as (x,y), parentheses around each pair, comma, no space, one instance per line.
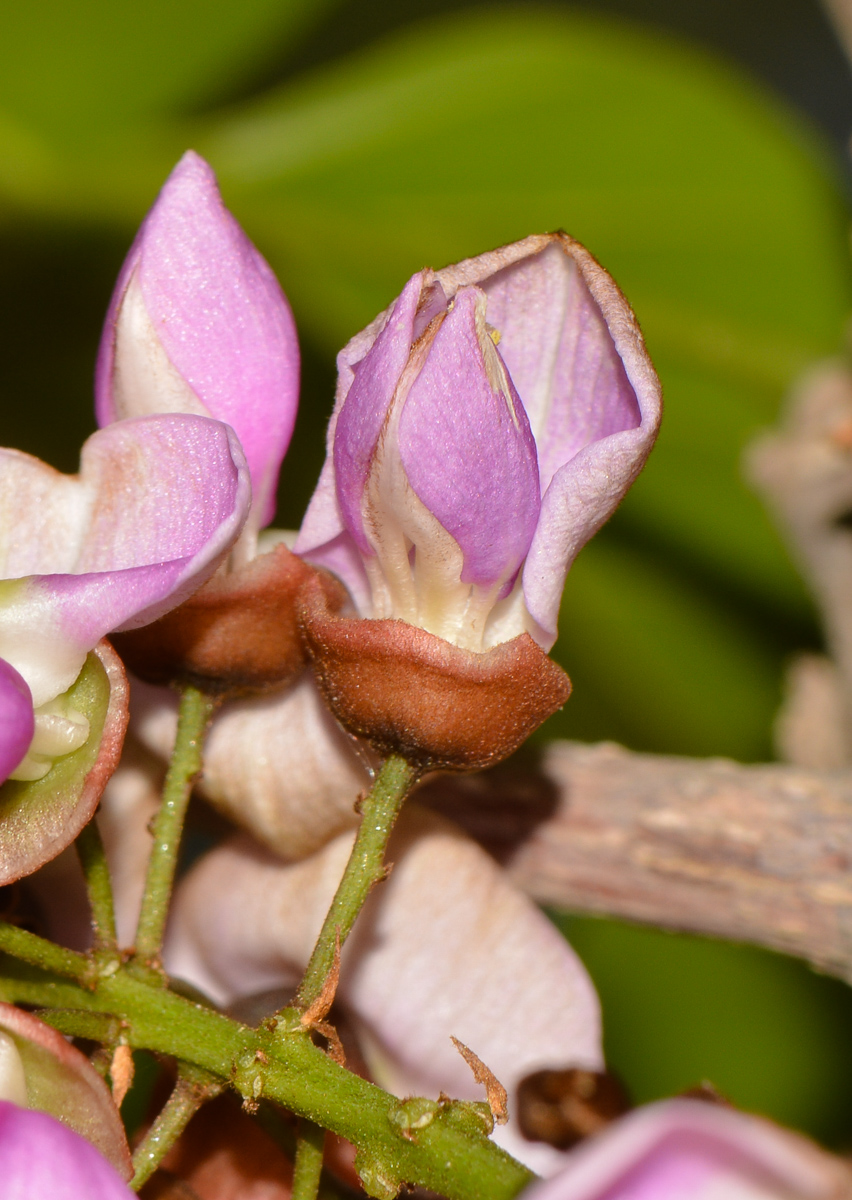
(560,355)
(41,1158)
(158,504)
(467,448)
(688,1150)
(577,357)
(17,722)
(221,317)
(365,407)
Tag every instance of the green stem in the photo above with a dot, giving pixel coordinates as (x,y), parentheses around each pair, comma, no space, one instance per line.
(32,949)
(365,868)
(194,715)
(96,1027)
(308,1165)
(449,1156)
(192,1089)
(90,850)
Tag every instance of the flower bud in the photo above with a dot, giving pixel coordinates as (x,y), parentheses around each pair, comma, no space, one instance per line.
(198,324)
(485,427)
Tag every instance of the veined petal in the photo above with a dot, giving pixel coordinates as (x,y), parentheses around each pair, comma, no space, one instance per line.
(467,449)
(578,360)
(366,405)
(42,1158)
(327,536)
(199,323)
(17,721)
(445,947)
(155,508)
(689,1150)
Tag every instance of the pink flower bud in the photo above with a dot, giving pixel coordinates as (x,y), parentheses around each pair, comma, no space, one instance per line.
(485,427)
(198,324)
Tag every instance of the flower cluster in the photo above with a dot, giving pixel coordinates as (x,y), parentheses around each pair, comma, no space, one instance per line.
(485,426)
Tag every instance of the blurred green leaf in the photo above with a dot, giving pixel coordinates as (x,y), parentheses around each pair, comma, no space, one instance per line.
(656,664)
(69,71)
(765,1030)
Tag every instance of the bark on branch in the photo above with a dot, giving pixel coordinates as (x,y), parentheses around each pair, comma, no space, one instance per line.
(754,853)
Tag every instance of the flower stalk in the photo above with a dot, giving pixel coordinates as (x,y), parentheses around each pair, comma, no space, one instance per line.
(90,850)
(193,1088)
(307,1167)
(195,713)
(365,868)
(449,1157)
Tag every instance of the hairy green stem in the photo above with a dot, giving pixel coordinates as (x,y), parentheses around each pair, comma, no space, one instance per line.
(31,948)
(90,850)
(192,1089)
(194,715)
(307,1167)
(365,868)
(449,1156)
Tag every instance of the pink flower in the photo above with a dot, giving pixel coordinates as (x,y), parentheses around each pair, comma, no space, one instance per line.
(155,508)
(690,1150)
(43,1160)
(486,425)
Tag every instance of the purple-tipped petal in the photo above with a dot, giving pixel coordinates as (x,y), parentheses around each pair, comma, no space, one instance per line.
(157,505)
(690,1150)
(217,314)
(366,406)
(467,449)
(43,1159)
(326,537)
(561,356)
(578,360)
(17,722)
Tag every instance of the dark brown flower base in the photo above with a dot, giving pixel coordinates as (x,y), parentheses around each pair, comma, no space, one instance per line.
(409,692)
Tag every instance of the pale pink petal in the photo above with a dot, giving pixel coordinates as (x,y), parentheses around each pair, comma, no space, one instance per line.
(689,1150)
(277,765)
(445,947)
(156,507)
(578,360)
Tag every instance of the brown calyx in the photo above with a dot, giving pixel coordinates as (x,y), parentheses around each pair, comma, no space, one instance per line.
(409,692)
(238,634)
(562,1107)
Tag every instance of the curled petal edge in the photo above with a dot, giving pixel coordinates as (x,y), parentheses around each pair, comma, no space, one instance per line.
(39,819)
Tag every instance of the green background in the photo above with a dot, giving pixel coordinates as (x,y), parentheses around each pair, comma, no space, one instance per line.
(357,143)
